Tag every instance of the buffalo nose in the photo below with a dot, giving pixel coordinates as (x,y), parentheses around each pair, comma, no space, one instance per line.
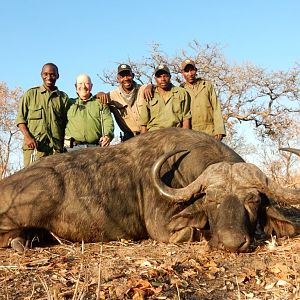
(233,241)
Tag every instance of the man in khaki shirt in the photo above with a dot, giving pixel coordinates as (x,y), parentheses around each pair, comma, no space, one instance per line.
(169,106)
(123,102)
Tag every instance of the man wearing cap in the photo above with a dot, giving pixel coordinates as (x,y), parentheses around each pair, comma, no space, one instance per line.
(205,106)
(90,122)
(123,102)
(169,106)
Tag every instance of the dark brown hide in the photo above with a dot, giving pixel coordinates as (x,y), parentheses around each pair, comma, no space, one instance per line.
(103,194)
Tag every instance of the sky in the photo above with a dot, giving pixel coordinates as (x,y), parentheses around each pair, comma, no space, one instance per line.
(93,35)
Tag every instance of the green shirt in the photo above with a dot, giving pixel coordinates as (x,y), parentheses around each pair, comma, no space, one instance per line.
(84,121)
(205,108)
(158,113)
(45,114)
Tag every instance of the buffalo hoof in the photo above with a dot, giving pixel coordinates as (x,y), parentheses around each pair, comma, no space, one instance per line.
(18,244)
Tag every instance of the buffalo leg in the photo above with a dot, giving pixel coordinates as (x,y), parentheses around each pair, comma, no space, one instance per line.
(184,235)
(14,238)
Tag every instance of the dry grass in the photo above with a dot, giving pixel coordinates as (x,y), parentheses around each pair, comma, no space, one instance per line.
(151,270)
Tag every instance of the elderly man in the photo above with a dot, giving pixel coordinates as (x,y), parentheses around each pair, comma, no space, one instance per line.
(123,102)
(205,106)
(89,122)
(42,117)
(169,106)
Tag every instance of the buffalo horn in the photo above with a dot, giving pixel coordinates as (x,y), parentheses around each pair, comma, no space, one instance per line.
(282,194)
(292,150)
(176,195)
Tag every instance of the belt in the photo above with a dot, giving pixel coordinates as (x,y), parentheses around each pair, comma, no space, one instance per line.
(77,143)
(69,142)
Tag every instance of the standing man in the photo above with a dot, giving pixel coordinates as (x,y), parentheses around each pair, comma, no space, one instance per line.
(205,106)
(123,102)
(89,122)
(169,106)
(42,117)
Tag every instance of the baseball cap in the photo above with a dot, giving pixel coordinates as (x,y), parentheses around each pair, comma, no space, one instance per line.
(187,62)
(124,67)
(162,68)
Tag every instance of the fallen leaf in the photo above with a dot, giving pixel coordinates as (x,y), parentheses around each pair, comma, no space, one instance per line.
(281,283)
(276,270)
(242,278)
(141,288)
(270,285)
(138,296)
(210,263)
(146,263)
(210,276)
(248,295)
(189,273)
(153,273)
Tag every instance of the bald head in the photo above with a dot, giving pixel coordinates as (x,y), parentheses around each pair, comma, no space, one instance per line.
(83,86)
(83,78)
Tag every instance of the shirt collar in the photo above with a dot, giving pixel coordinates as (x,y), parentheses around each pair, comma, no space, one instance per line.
(186,84)
(135,86)
(84,101)
(171,90)
(44,90)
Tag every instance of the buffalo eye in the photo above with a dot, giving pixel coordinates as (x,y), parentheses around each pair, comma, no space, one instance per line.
(253,200)
(211,200)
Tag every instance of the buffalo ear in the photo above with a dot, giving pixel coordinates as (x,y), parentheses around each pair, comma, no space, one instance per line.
(277,222)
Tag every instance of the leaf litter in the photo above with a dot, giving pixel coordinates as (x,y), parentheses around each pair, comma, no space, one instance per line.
(151,270)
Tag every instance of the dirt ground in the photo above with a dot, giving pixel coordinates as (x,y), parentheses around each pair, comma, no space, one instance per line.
(151,270)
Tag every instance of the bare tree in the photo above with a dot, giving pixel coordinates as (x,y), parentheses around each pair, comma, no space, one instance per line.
(266,101)
(9,136)
(282,166)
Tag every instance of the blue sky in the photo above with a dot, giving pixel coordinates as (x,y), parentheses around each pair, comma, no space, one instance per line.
(92,35)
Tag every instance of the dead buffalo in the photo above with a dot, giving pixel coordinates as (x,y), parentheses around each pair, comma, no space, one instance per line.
(170,185)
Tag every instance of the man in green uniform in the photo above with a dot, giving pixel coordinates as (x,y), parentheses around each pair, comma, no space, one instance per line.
(205,106)
(42,117)
(169,106)
(89,122)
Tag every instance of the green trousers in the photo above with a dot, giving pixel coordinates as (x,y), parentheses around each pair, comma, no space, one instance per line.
(30,156)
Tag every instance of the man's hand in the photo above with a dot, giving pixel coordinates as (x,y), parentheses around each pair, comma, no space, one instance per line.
(104,141)
(103,97)
(186,123)
(219,137)
(28,138)
(144,129)
(30,141)
(149,92)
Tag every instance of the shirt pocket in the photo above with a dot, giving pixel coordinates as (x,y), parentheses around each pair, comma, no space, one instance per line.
(154,108)
(95,112)
(35,113)
(177,105)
